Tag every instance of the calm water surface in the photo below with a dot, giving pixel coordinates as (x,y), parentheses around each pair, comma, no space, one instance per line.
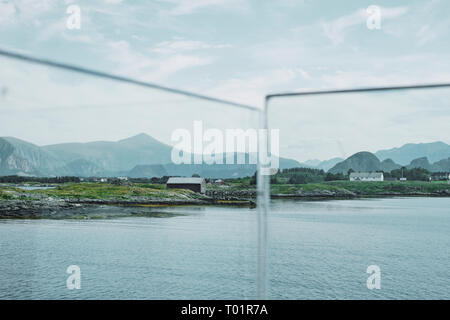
(318,250)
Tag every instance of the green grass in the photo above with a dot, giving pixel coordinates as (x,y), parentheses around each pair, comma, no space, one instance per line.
(392,186)
(365,188)
(102,191)
(4,195)
(152,186)
(105,191)
(232,186)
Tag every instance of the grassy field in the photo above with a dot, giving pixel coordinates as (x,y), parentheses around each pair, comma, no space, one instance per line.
(105,191)
(102,191)
(393,186)
(294,188)
(4,194)
(366,188)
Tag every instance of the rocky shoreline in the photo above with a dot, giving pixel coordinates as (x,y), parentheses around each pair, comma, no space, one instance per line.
(35,206)
(333,194)
(231,194)
(68,208)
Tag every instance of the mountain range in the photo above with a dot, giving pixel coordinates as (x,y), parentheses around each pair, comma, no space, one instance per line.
(144,156)
(137,156)
(403,155)
(369,162)
(432,156)
(322,165)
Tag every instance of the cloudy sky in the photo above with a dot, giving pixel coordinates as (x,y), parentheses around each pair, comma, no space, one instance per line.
(238,50)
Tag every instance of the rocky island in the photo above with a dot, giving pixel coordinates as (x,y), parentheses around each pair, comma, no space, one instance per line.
(96,200)
(102,200)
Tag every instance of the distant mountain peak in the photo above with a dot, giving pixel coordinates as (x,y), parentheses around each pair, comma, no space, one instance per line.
(403,155)
(360,161)
(312,162)
(141,138)
(141,135)
(16,140)
(362,154)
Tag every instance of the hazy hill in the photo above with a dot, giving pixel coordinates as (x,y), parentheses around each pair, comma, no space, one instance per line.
(442,165)
(114,156)
(368,162)
(403,155)
(204,170)
(439,166)
(311,163)
(148,171)
(138,156)
(144,156)
(18,157)
(321,165)
(420,163)
(396,157)
(388,165)
(81,168)
(361,161)
(328,164)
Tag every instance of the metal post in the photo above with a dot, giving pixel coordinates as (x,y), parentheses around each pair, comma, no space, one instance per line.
(262,203)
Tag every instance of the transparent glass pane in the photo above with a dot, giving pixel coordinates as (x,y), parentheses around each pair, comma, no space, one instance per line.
(130,238)
(385,233)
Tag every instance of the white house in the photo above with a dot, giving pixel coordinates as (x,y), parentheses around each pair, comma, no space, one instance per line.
(366,176)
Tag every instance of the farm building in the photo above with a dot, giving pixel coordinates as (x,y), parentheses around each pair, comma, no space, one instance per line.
(366,176)
(439,176)
(194,184)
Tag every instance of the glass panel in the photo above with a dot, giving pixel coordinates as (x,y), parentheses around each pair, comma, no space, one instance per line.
(364,213)
(130,237)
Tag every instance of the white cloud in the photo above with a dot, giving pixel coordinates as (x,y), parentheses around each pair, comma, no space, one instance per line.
(121,53)
(185,45)
(425,34)
(304,74)
(58,106)
(433,31)
(174,64)
(135,64)
(183,7)
(252,90)
(382,120)
(7,12)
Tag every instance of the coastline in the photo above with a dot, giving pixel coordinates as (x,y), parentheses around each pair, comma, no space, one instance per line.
(104,209)
(93,208)
(100,200)
(338,196)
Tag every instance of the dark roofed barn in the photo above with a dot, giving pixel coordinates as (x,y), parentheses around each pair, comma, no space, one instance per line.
(194,184)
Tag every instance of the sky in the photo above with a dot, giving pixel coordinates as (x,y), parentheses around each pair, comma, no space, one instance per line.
(238,50)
